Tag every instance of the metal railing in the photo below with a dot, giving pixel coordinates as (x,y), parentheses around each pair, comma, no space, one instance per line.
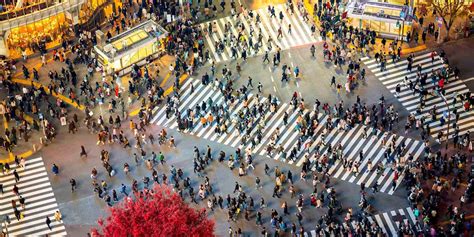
(26,10)
(39,14)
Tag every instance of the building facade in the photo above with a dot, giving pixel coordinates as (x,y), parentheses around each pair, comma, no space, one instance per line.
(45,24)
(388,20)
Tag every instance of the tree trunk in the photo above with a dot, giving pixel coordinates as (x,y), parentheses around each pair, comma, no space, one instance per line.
(448,28)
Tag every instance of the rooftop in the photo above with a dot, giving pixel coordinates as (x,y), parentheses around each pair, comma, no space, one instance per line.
(378,10)
(135,36)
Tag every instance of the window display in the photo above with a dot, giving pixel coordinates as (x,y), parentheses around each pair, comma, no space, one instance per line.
(47,32)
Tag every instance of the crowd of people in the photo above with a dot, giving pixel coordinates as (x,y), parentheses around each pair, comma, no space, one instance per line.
(185,41)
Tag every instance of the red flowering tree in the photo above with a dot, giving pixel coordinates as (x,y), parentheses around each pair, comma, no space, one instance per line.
(163,213)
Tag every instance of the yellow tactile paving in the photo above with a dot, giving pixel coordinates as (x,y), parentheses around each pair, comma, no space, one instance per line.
(414,49)
(38,85)
(10,157)
(165,79)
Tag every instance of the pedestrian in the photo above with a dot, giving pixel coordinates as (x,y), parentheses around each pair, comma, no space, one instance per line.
(57,216)
(73,184)
(22,202)
(394,184)
(297,71)
(333,81)
(55,169)
(257,183)
(397,90)
(249,83)
(123,189)
(18,214)
(23,163)
(259,87)
(265,57)
(172,142)
(300,217)
(114,195)
(375,187)
(83,152)
(17,177)
(48,223)
(15,190)
(161,158)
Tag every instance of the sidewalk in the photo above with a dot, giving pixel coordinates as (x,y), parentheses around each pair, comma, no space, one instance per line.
(22,149)
(407,47)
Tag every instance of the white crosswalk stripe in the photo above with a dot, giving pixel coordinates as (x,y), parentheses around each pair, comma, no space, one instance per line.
(40,202)
(395,74)
(268,27)
(351,140)
(391,221)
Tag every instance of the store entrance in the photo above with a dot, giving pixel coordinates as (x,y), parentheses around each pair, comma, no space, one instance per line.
(39,35)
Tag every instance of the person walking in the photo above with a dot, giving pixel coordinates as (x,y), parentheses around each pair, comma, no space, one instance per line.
(123,189)
(83,152)
(17,177)
(161,158)
(249,83)
(58,216)
(21,200)
(55,169)
(265,57)
(333,81)
(172,142)
(73,184)
(48,223)
(397,90)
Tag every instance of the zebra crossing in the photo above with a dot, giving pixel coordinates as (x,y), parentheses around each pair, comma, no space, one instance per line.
(390,222)
(40,202)
(353,140)
(395,75)
(250,29)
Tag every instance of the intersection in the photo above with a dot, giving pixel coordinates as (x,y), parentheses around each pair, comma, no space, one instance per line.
(357,145)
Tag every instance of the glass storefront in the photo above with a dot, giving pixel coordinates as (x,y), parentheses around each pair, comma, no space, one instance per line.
(88,9)
(134,56)
(388,20)
(48,31)
(380,26)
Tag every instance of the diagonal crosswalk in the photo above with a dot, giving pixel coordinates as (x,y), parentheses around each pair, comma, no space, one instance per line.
(35,188)
(389,222)
(244,32)
(367,160)
(395,74)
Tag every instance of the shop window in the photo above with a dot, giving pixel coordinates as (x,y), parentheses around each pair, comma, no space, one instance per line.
(49,30)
